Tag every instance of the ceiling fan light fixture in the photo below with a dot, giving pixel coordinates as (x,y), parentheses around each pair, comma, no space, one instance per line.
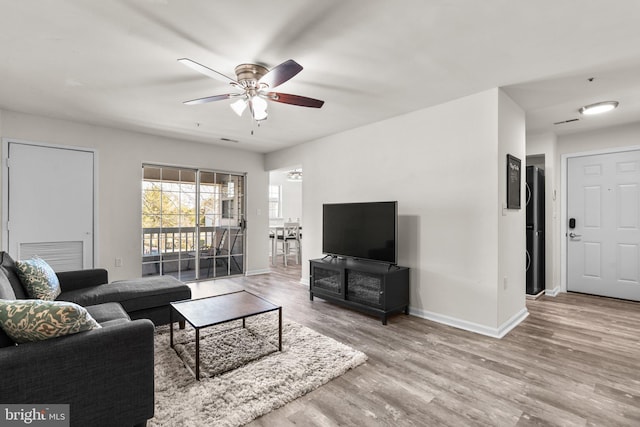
(598,108)
(259,115)
(258,108)
(253,82)
(239,106)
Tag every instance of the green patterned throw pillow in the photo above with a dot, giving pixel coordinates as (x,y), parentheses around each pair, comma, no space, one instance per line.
(38,279)
(37,320)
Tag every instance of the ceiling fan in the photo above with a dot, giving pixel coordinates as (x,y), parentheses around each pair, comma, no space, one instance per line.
(254,83)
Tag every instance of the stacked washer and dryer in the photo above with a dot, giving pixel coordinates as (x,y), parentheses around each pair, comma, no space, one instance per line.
(535,230)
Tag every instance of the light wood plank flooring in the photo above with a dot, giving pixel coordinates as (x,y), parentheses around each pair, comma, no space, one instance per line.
(575,361)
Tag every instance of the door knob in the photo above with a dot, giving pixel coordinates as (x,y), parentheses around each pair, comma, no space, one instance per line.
(574,235)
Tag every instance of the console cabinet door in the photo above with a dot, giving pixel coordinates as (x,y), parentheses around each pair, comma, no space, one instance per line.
(365,288)
(325,280)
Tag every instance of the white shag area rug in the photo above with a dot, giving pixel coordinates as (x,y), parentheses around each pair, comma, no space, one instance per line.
(243,376)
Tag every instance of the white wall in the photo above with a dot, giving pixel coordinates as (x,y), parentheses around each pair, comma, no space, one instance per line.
(612,137)
(511,222)
(445,167)
(121,155)
(546,144)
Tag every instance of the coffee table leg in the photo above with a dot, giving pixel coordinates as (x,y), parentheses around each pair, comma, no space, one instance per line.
(198,354)
(280,329)
(171,327)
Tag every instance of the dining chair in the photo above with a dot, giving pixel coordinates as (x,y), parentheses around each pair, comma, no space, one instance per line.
(272,246)
(290,236)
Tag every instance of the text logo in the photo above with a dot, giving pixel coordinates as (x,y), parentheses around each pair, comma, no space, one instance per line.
(34,415)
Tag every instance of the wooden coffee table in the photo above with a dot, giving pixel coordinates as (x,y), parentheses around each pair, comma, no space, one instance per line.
(204,312)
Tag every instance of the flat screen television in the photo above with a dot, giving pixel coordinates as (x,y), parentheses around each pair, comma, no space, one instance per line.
(361,230)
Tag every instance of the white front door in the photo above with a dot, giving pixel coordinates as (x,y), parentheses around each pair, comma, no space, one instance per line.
(603,199)
(51,205)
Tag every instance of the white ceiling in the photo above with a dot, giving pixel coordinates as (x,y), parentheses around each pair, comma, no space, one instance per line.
(113,62)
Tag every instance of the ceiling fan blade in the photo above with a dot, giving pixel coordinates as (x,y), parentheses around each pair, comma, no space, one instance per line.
(209,99)
(206,71)
(281,73)
(302,101)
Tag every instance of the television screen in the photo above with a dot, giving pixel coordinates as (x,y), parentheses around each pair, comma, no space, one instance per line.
(361,230)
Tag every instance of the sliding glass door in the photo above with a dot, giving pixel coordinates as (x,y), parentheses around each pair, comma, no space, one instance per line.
(221,224)
(192,222)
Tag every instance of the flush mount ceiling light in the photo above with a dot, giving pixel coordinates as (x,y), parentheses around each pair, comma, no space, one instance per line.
(294,175)
(598,108)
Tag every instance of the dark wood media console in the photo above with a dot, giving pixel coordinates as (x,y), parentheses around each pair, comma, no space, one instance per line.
(370,287)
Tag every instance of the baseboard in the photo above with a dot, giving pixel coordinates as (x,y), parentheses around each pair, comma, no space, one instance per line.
(477,328)
(257,272)
(514,321)
(536,296)
(552,292)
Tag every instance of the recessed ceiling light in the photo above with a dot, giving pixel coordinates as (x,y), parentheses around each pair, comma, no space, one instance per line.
(598,108)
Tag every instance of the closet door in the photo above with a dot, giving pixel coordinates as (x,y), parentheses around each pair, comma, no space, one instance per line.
(51,205)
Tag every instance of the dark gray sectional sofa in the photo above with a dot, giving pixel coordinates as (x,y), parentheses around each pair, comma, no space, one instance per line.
(106,375)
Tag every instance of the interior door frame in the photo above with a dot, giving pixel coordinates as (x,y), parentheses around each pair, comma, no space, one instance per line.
(5,188)
(564,175)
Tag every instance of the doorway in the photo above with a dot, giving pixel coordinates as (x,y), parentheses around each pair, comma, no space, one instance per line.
(49,198)
(603,224)
(285,206)
(193,223)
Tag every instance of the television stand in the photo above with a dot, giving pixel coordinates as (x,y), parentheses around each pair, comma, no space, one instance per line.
(370,287)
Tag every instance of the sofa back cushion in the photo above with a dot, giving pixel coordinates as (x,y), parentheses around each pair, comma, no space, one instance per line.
(8,270)
(6,292)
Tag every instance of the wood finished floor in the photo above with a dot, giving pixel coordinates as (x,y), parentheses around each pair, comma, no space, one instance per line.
(575,361)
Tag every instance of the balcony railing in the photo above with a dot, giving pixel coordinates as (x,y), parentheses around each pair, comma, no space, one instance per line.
(168,250)
(170,240)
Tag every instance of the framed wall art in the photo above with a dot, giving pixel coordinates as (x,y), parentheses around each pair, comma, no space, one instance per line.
(513,182)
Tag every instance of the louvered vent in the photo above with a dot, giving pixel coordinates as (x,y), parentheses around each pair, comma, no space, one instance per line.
(61,256)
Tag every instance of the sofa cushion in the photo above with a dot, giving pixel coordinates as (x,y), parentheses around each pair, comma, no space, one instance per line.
(37,320)
(106,312)
(8,269)
(6,292)
(78,279)
(114,322)
(38,278)
(133,295)
(5,341)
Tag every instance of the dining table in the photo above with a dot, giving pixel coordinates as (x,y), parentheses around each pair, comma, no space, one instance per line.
(274,232)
